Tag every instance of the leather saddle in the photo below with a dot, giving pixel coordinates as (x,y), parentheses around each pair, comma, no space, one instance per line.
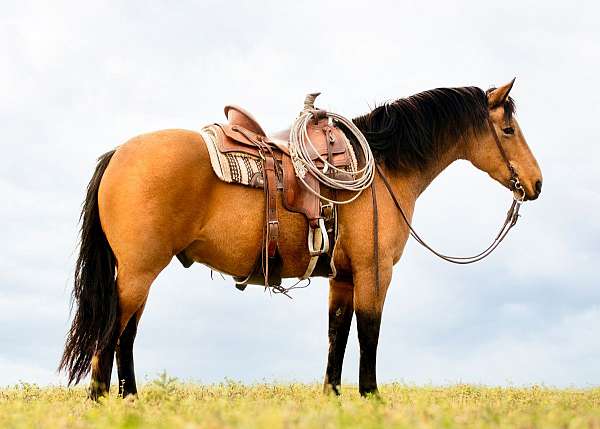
(243,134)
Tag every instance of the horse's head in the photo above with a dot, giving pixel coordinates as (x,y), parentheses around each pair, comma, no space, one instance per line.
(484,152)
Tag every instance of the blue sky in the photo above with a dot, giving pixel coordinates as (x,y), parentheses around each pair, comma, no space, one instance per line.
(78,79)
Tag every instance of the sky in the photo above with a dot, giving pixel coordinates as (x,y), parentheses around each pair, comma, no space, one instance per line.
(79,78)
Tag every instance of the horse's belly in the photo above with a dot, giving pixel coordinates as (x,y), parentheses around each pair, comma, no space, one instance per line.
(230,238)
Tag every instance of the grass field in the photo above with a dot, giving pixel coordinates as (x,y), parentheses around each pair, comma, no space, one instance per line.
(166,403)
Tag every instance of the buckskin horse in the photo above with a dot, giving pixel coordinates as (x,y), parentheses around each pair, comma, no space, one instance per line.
(156,196)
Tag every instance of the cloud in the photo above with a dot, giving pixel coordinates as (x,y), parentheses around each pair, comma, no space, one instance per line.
(77,81)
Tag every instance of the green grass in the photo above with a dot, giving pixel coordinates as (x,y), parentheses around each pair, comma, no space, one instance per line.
(166,403)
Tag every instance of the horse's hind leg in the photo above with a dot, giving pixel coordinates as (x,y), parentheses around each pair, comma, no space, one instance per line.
(133,290)
(125,367)
(340,317)
(102,363)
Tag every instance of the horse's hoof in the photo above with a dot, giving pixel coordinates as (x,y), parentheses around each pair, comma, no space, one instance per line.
(330,389)
(370,394)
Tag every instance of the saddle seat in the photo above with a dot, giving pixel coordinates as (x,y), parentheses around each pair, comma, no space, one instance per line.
(239,116)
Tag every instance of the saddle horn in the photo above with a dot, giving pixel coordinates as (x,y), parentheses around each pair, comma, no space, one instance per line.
(309,101)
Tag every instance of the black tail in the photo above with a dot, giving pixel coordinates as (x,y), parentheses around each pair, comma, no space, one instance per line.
(94,291)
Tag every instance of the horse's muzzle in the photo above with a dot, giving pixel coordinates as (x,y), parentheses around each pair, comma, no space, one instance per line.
(537,191)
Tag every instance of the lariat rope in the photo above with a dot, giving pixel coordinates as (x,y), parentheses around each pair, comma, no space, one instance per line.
(301,147)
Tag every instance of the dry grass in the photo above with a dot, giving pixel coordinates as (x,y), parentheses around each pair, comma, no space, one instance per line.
(166,403)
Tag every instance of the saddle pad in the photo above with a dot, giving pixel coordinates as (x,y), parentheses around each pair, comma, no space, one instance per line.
(232,167)
(241,167)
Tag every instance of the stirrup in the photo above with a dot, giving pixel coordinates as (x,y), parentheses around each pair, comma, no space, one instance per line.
(321,240)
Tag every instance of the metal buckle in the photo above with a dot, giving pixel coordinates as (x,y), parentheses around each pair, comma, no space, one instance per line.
(518,188)
(324,246)
(327,211)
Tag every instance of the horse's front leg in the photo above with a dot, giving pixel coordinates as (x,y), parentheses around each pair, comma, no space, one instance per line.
(368,306)
(341,309)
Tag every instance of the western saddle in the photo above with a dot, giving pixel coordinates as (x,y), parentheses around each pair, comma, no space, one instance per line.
(242,134)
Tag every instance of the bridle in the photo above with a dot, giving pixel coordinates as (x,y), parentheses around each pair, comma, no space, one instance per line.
(511,217)
(515,184)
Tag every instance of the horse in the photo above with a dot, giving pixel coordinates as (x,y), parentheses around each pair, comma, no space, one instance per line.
(156,196)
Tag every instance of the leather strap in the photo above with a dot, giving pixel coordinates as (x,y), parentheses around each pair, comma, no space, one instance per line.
(497,140)
(375,236)
(515,185)
(271,205)
(330,137)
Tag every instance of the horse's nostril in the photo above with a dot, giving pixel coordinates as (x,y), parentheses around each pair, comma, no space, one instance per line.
(538,187)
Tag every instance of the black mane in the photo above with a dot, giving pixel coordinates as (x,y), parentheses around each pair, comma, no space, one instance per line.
(411,132)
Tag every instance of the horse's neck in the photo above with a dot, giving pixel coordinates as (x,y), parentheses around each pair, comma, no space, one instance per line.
(428,175)
(411,184)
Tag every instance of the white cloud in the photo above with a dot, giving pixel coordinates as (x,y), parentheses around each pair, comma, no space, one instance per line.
(77,81)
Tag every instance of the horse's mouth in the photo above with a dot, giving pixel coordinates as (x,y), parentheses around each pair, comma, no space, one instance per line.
(527,196)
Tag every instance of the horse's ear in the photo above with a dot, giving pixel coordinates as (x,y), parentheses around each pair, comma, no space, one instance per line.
(498,96)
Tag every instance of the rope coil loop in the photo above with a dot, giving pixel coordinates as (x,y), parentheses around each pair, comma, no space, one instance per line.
(301,147)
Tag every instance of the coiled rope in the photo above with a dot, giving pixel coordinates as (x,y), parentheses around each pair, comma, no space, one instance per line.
(301,147)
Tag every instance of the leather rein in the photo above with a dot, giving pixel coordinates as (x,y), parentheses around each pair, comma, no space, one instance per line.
(511,217)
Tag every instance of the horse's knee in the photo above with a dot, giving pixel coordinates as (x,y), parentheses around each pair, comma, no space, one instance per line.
(341,292)
(369,295)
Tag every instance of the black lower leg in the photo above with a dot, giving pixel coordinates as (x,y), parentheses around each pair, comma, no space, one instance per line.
(125,367)
(368,324)
(102,364)
(340,318)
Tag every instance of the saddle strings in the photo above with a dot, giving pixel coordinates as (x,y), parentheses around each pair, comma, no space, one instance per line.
(301,147)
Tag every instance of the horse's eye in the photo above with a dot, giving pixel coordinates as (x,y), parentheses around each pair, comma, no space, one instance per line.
(508,130)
